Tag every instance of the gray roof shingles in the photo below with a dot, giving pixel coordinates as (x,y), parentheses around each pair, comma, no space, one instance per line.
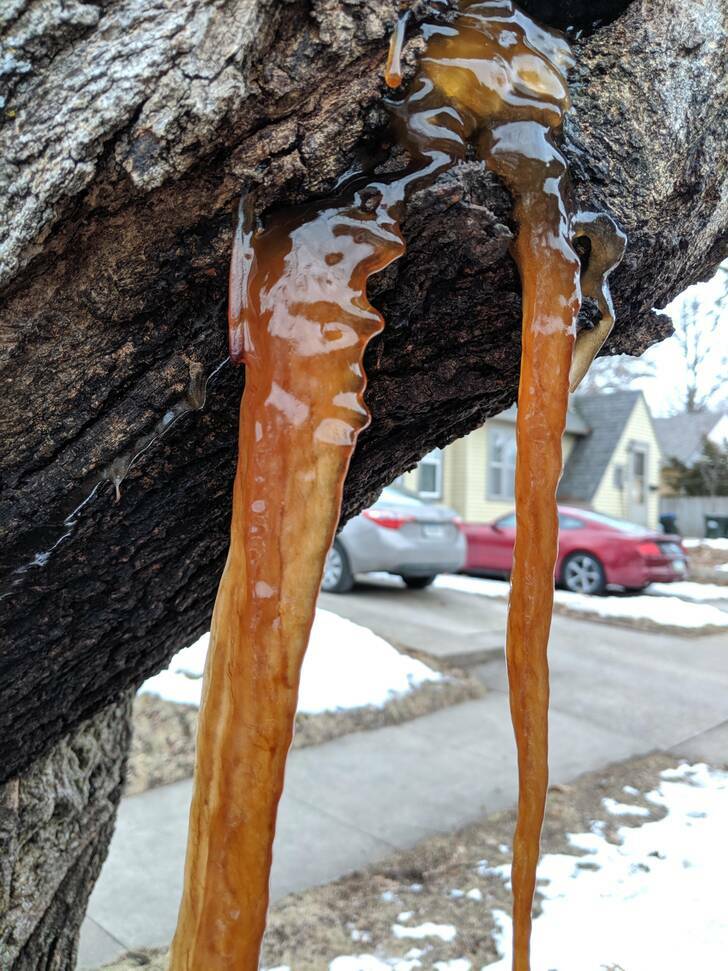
(681,437)
(606,415)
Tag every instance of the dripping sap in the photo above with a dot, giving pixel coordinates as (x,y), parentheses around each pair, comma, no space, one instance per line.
(300,321)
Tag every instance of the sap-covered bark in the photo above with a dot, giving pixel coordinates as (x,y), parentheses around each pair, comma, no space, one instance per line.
(128,130)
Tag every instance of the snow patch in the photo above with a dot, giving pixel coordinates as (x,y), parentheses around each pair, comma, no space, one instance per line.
(711,544)
(688,590)
(663,611)
(346,666)
(446,932)
(368,962)
(623,808)
(669,873)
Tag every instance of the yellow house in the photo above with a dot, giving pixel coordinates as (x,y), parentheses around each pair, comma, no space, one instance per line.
(612,463)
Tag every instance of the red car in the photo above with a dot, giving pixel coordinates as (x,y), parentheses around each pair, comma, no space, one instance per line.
(594,550)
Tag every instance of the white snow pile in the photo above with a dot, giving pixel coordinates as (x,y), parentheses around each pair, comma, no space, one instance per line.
(446,932)
(688,590)
(661,611)
(656,900)
(346,666)
(665,610)
(411,960)
(710,544)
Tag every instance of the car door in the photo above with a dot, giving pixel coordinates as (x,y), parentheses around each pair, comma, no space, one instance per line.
(490,546)
(503,538)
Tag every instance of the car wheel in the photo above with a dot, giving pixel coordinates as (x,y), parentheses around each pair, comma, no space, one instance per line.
(338,577)
(583,573)
(418,583)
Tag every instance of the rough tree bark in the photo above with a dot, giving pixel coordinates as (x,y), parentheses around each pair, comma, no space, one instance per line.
(56,820)
(128,129)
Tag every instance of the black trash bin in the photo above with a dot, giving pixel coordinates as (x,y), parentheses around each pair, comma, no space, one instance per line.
(716,527)
(668,521)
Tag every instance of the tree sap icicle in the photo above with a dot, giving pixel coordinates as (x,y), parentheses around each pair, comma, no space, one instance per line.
(300,321)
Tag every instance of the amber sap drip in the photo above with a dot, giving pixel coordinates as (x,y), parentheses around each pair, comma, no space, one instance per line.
(502,79)
(393,69)
(300,319)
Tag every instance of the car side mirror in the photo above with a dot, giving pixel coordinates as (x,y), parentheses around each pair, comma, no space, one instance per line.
(495,527)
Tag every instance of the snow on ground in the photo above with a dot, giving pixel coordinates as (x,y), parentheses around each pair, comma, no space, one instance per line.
(656,900)
(688,590)
(711,544)
(664,610)
(346,666)
(446,932)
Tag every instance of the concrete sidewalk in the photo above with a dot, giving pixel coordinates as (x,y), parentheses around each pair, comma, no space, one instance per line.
(358,798)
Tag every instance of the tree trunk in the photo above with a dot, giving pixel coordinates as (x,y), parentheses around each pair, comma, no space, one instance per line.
(56,821)
(128,131)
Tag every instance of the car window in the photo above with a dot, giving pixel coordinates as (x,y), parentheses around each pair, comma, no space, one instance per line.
(621,524)
(507,522)
(399,497)
(570,522)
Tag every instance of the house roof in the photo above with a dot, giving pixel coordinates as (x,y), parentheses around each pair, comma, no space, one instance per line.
(605,415)
(681,437)
(575,423)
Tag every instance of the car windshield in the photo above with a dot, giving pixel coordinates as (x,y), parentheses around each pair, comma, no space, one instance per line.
(393,495)
(620,524)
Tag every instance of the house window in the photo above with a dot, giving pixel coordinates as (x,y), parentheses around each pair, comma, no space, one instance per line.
(501,463)
(639,476)
(429,475)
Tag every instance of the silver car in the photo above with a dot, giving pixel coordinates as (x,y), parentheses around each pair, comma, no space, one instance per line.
(399,534)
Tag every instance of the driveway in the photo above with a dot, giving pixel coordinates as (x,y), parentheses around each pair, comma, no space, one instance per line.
(446,624)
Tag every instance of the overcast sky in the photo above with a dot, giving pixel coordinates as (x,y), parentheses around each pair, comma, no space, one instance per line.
(670,373)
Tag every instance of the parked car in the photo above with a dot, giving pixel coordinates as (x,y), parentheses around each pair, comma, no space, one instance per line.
(594,550)
(399,534)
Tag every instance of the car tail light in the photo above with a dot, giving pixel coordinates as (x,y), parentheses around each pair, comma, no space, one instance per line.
(649,549)
(389,520)
(458,523)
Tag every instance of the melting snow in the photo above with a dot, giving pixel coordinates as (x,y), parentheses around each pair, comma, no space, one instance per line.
(712,544)
(664,611)
(624,809)
(446,932)
(368,962)
(688,590)
(346,666)
(656,900)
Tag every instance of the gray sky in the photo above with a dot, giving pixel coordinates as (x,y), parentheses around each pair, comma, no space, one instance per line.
(670,372)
